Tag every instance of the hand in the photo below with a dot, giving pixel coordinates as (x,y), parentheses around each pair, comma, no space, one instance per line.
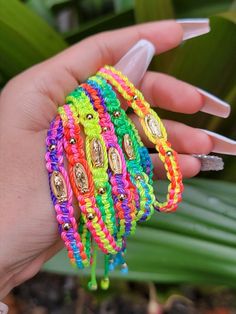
(28,228)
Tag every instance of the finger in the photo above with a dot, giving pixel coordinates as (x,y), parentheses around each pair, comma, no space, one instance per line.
(169,93)
(86,57)
(184,139)
(189,166)
(60,74)
(57,76)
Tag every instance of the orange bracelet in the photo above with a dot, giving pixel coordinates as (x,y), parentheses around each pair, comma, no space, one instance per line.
(154,130)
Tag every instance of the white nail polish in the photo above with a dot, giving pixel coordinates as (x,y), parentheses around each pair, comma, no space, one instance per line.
(210,162)
(194,27)
(3,308)
(213,105)
(135,62)
(222,144)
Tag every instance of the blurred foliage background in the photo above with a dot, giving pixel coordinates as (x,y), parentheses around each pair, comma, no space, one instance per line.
(196,244)
(39,29)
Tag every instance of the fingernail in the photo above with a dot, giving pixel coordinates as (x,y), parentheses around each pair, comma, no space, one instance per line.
(135,62)
(3,308)
(213,105)
(222,144)
(210,162)
(194,27)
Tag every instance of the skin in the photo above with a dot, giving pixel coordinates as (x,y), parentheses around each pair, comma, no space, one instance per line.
(28,228)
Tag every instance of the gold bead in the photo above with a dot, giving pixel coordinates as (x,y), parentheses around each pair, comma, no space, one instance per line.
(52,147)
(66,226)
(138,177)
(72,140)
(90,216)
(105,129)
(101,191)
(116,114)
(121,197)
(89,116)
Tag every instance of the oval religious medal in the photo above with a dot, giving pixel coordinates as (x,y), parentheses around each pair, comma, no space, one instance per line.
(81,178)
(153,126)
(114,160)
(128,147)
(96,151)
(58,186)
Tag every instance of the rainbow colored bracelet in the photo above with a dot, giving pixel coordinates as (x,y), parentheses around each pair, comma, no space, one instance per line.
(61,194)
(154,130)
(108,170)
(125,133)
(118,172)
(82,181)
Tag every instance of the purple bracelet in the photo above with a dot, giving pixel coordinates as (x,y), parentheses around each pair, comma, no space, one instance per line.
(61,194)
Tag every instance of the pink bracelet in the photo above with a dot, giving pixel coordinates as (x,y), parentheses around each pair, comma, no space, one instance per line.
(61,194)
(155,131)
(121,184)
(82,182)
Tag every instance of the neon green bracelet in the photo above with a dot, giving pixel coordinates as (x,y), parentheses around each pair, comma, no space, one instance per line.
(124,129)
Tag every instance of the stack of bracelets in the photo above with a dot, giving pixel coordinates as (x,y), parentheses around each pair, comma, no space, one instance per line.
(109,171)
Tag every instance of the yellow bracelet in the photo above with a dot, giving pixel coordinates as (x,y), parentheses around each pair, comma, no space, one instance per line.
(154,130)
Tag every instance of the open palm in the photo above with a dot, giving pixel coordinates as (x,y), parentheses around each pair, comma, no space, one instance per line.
(28,228)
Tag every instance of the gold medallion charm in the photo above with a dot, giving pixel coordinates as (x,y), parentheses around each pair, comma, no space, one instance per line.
(58,186)
(97,155)
(114,160)
(128,147)
(81,178)
(153,126)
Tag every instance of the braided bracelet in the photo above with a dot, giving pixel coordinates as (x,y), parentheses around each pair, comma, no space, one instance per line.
(118,173)
(61,195)
(125,134)
(121,184)
(155,131)
(82,181)
(110,173)
(93,130)
(96,156)
(146,161)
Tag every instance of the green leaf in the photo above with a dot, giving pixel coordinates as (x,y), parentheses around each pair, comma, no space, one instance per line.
(112,21)
(202,8)
(123,5)
(197,244)
(57,5)
(41,8)
(153,10)
(233,6)
(25,38)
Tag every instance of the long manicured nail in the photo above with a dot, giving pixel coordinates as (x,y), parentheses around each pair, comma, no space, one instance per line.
(135,62)
(194,27)
(222,144)
(3,308)
(210,162)
(214,105)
